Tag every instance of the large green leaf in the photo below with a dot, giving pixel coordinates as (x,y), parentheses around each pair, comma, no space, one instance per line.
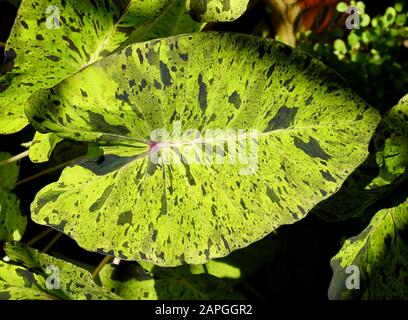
(378,178)
(51,41)
(39,276)
(42,146)
(312,132)
(131,282)
(12,221)
(216,10)
(381,254)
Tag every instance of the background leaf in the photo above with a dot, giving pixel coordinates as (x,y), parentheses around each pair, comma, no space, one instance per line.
(216,10)
(51,41)
(379,176)
(12,221)
(29,280)
(380,252)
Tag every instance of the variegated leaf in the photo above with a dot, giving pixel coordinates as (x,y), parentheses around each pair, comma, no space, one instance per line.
(51,41)
(216,10)
(38,276)
(12,221)
(375,261)
(289,133)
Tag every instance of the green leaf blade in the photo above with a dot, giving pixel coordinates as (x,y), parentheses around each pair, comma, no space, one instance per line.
(127,206)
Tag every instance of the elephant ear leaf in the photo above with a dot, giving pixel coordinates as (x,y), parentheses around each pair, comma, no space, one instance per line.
(391,141)
(374,262)
(38,276)
(278,133)
(216,10)
(51,41)
(131,282)
(12,221)
(381,174)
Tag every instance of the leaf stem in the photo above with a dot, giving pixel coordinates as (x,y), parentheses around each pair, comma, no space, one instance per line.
(52,242)
(39,236)
(57,167)
(14,158)
(101,265)
(2,44)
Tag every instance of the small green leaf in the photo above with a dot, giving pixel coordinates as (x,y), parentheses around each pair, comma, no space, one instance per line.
(39,276)
(131,282)
(378,258)
(340,46)
(42,146)
(12,221)
(312,133)
(216,10)
(342,7)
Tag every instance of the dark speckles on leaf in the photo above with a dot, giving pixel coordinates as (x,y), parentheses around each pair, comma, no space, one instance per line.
(83,93)
(53,58)
(165,74)
(184,56)
(132,83)
(202,93)
(122,96)
(50,196)
(272,195)
(327,176)
(143,84)
(98,122)
(125,217)
(283,119)
(128,52)
(24,24)
(39,37)
(270,71)
(157,84)
(235,99)
(140,55)
(287,82)
(309,100)
(98,204)
(154,236)
(71,45)
(226,245)
(312,148)
(301,210)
